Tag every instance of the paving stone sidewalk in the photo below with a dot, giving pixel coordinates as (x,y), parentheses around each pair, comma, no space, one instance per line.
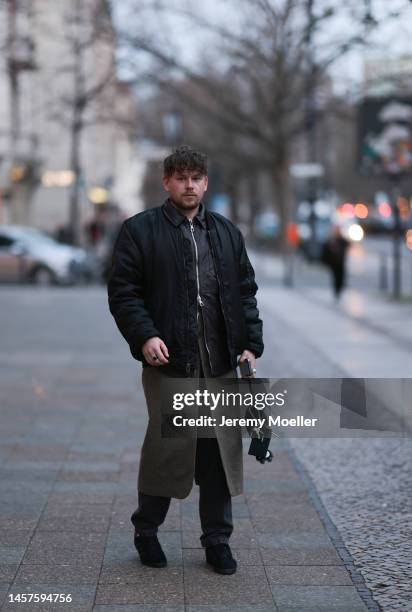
(364,483)
(72,421)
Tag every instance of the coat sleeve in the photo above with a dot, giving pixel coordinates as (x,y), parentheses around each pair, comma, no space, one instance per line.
(126,291)
(248,289)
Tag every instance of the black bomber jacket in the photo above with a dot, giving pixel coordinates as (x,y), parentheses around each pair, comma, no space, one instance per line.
(151,291)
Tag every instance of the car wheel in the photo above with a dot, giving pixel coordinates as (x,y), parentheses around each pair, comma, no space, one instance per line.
(43,277)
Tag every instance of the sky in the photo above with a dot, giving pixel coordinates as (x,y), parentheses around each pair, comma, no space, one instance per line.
(392,38)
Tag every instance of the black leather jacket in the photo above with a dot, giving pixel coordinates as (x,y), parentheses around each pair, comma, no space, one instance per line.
(152,290)
(211,322)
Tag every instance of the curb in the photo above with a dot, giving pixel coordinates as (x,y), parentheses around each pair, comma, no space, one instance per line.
(358,580)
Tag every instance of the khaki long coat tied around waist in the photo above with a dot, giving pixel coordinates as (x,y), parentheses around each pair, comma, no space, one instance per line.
(167,464)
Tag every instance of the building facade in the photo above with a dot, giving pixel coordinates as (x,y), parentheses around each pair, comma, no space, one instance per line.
(67,125)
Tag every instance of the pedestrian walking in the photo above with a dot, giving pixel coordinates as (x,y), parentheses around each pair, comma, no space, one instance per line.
(334,256)
(182,291)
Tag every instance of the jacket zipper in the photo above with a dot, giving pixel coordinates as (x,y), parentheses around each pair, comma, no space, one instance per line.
(199,297)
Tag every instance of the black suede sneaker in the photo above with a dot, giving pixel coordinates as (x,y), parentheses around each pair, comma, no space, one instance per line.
(220,558)
(150,551)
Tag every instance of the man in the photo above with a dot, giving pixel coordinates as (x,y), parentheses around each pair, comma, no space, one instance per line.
(182,291)
(334,256)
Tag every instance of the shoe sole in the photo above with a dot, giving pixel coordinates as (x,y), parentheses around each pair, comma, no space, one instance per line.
(159,564)
(226,572)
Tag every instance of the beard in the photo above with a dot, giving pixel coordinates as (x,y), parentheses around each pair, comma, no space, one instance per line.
(187,203)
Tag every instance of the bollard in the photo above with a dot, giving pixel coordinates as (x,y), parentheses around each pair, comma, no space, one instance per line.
(383,272)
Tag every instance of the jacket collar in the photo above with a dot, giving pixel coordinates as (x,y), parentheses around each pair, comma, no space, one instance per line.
(177,218)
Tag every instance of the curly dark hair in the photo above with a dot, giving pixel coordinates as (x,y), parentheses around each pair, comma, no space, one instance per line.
(185,158)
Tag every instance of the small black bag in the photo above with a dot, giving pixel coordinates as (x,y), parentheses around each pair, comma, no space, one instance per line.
(259,445)
(259,448)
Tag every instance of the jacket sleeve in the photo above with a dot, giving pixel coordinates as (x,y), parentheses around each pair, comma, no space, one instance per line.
(248,289)
(125,288)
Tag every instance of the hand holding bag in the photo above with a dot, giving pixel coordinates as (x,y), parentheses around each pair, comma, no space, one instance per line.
(260,438)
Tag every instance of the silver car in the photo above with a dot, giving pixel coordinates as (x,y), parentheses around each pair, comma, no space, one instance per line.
(29,255)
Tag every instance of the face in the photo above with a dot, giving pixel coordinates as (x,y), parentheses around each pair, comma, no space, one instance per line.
(186,188)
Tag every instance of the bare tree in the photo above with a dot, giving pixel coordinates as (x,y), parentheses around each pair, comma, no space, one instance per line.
(20,163)
(87,75)
(87,31)
(256,80)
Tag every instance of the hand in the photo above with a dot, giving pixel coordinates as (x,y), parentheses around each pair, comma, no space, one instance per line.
(155,352)
(251,357)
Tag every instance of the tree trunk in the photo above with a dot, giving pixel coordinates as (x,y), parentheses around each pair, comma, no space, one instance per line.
(76,129)
(233,199)
(255,203)
(283,202)
(280,181)
(75,167)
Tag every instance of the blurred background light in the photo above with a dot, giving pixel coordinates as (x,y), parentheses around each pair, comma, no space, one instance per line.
(355,232)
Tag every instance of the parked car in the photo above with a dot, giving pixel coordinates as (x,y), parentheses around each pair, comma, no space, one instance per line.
(29,255)
(267,228)
(314,225)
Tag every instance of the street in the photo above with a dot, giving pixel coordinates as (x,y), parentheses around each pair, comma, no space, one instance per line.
(326,526)
(370,268)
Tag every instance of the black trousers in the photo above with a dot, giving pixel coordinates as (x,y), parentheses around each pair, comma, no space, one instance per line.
(215,501)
